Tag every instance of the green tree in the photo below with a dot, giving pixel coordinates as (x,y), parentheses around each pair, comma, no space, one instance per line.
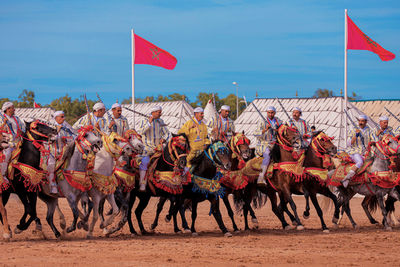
(26,99)
(230,100)
(354,96)
(321,93)
(73,108)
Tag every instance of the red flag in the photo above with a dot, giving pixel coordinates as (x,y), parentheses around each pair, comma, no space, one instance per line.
(36,105)
(147,53)
(358,40)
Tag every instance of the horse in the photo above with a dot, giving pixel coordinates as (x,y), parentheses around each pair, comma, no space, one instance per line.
(4,185)
(205,168)
(172,159)
(382,151)
(23,182)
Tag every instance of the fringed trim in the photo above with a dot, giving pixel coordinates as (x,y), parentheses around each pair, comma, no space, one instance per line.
(208,186)
(125,179)
(385,179)
(4,186)
(31,177)
(78,180)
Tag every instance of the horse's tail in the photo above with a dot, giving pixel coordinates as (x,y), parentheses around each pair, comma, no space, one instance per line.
(259,200)
(187,204)
(389,203)
(372,203)
(238,201)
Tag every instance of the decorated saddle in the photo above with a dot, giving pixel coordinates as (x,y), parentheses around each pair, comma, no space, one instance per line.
(343,169)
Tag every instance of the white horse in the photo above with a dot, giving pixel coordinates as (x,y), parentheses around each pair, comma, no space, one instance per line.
(381,162)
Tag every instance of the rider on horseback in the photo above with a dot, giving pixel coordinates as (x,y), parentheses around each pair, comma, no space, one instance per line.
(196,131)
(384,128)
(154,132)
(66,134)
(94,118)
(302,126)
(12,125)
(357,145)
(120,122)
(266,140)
(221,127)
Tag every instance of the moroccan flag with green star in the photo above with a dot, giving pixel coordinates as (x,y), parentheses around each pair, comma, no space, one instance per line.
(148,53)
(357,40)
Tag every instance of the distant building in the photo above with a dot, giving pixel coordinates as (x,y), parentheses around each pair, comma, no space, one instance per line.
(44,114)
(376,108)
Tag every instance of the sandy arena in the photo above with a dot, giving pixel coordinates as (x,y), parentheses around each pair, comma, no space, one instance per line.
(270,245)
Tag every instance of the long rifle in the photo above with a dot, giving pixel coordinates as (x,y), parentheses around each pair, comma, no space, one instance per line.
(142,114)
(55,125)
(394,116)
(88,110)
(259,113)
(284,110)
(355,126)
(190,115)
(110,118)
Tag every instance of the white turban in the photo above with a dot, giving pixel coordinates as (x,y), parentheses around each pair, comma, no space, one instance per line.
(58,113)
(225,107)
(362,117)
(383,118)
(198,109)
(271,108)
(6,105)
(298,109)
(116,105)
(155,108)
(98,106)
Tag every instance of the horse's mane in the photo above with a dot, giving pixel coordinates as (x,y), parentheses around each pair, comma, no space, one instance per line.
(199,157)
(276,153)
(69,151)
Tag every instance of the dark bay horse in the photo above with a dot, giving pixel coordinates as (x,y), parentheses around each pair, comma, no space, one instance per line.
(169,161)
(30,156)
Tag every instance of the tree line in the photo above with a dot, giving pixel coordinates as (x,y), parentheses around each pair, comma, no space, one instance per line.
(74,108)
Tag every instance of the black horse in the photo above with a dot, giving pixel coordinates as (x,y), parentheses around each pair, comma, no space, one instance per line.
(166,162)
(32,142)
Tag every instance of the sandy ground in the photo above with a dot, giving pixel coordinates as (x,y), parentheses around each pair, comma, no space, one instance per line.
(270,245)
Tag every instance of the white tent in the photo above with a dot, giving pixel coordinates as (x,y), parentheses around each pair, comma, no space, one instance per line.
(325,113)
(174,113)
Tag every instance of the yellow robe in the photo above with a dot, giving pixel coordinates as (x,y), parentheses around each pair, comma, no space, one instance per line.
(197,136)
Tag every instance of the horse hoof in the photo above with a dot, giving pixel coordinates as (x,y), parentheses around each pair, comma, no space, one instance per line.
(167,218)
(63,225)
(17,230)
(153,227)
(7,236)
(335,220)
(70,229)
(300,228)
(326,231)
(79,225)
(195,234)
(306,216)
(187,231)
(294,223)
(89,236)
(179,232)
(102,226)
(106,232)
(254,220)
(356,227)
(288,227)
(228,234)
(388,228)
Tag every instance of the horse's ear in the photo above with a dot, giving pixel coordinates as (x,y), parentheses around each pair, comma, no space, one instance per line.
(243,132)
(174,135)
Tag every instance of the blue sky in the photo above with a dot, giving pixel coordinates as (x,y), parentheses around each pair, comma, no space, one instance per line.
(274,48)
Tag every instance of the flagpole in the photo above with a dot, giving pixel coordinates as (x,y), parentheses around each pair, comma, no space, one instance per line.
(133,73)
(345,74)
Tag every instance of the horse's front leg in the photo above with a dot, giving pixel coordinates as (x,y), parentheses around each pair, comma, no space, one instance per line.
(7,234)
(115,210)
(230,212)
(96,202)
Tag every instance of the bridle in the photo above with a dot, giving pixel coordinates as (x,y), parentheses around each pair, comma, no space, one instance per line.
(211,152)
(319,150)
(173,144)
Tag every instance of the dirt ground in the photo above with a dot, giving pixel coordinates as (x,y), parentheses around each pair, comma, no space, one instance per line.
(270,245)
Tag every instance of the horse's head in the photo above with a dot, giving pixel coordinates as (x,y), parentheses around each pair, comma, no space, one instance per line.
(289,137)
(322,143)
(135,140)
(88,140)
(178,148)
(241,145)
(219,153)
(41,131)
(117,145)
